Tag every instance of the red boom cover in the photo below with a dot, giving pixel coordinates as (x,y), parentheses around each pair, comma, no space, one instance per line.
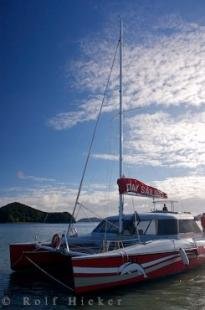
(133,186)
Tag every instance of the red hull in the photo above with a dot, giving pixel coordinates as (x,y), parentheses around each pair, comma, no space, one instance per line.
(25,257)
(88,278)
(17,259)
(97,272)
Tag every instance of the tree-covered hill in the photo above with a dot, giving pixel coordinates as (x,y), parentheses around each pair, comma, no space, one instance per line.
(16,212)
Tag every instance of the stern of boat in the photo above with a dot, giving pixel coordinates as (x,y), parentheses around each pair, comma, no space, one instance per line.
(18,262)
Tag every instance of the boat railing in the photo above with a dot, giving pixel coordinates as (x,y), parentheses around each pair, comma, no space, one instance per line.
(109,245)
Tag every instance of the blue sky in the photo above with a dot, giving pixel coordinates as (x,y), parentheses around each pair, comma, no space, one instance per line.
(55,59)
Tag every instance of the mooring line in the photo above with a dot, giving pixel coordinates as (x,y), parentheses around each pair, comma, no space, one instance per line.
(49,275)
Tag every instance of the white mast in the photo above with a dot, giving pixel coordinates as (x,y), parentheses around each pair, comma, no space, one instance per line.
(121,133)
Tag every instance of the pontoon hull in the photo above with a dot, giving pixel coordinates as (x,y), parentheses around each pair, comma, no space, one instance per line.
(30,258)
(99,273)
(125,266)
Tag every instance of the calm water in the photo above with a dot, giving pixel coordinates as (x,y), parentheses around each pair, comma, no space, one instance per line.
(186,291)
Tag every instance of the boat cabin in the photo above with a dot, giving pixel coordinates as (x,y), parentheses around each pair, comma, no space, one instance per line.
(137,228)
(150,225)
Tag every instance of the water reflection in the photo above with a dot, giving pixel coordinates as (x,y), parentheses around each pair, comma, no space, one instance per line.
(184,291)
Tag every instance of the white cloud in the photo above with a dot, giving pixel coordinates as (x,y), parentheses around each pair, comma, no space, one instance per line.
(164,69)
(167,140)
(184,188)
(22,176)
(167,70)
(46,198)
(161,139)
(98,201)
(62,198)
(188,191)
(88,111)
(106,156)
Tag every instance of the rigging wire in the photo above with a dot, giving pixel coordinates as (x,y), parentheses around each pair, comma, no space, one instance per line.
(97,215)
(94,134)
(112,166)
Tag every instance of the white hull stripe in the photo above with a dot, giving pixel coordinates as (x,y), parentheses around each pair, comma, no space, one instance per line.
(101,270)
(90,281)
(159,260)
(95,270)
(163,264)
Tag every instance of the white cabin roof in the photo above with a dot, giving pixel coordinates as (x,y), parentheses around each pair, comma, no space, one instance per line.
(156,215)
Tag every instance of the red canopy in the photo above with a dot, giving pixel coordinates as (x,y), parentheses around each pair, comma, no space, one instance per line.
(133,186)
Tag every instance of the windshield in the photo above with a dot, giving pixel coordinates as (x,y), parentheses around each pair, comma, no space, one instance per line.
(130,227)
(186,226)
(112,226)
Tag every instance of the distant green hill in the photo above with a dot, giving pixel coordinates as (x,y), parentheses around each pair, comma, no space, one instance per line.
(16,212)
(89,219)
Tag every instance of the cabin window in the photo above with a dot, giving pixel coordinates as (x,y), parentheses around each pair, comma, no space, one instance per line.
(167,227)
(147,227)
(128,227)
(112,226)
(107,226)
(186,226)
(100,228)
(151,229)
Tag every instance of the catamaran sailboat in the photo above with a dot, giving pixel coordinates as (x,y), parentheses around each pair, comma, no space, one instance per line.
(123,249)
